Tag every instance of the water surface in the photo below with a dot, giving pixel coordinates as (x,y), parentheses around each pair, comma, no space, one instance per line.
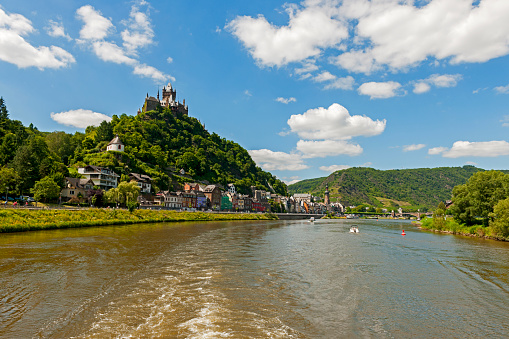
(263,279)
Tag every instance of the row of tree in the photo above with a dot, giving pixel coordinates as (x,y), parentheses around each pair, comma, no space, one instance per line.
(483,200)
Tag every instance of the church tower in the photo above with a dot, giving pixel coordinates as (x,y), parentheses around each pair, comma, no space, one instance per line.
(326,198)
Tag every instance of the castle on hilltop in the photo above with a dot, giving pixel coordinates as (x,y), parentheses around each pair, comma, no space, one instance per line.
(169,100)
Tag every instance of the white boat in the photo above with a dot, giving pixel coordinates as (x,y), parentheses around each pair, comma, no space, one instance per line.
(354,229)
(311,219)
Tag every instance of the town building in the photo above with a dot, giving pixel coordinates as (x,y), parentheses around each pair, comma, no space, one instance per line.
(213,194)
(102,177)
(143,181)
(75,187)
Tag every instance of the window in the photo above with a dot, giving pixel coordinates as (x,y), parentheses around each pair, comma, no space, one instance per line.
(71,192)
(119,147)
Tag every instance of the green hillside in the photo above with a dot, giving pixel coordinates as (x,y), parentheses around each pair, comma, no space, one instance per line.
(157,143)
(421,187)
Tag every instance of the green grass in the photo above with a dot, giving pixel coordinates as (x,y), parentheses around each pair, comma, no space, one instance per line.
(451,226)
(21,220)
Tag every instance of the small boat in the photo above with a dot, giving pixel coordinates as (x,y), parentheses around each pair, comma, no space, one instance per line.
(311,219)
(354,229)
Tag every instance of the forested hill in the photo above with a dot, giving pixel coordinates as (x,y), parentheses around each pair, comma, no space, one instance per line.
(424,187)
(157,143)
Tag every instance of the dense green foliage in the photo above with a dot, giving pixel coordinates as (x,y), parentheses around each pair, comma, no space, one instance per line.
(21,219)
(476,199)
(421,187)
(157,144)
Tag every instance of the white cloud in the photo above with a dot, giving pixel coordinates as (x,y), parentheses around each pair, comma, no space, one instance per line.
(247,93)
(308,67)
(324,76)
(380,90)
(401,34)
(139,32)
(421,87)
(477,149)
(356,61)
(56,29)
(444,80)
(334,168)
(110,52)
(151,72)
(169,60)
(80,118)
(327,148)
(270,161)
(502,89)
(333,123)
(96,26)
(505,121)
(437,150)
(285,100)
(309,31)
(471,163)
(415,147)
(345,83)
(16,50)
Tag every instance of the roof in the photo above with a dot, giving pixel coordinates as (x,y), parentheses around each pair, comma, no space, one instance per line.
(116,141)
(140,177)
(79,183)
(210,188)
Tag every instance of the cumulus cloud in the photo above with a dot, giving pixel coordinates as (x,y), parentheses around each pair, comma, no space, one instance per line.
(16,50)
(270,160)
(96,26)
(333,123)
(286,100)
(333,168)
(380,90)
(327,148)
(415,147)
(56,30)
(502,89)
(334,82)
(138,34)
(80,118)
(402,35)
(473,149)
(421,87)
(505,121)
(310,30)
(384,35)
(437,150)
(437,80)
(291,180)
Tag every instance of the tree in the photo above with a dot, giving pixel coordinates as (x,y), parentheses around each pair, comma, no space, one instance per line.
(45,189)
(8,178)
(479,195)
(124,193)
(500,223)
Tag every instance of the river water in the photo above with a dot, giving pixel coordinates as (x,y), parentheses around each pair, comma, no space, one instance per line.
(270,279)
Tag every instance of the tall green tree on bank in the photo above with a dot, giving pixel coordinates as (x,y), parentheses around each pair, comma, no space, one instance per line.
(45,189)
(478,196)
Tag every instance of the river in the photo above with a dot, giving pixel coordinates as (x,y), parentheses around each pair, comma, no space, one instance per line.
(253,279)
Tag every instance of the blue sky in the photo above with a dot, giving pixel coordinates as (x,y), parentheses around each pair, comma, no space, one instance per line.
(307,87)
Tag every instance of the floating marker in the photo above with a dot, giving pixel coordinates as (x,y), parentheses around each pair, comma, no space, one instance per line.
(403,233)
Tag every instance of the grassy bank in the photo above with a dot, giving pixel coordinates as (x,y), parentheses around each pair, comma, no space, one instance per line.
(451,226)
(20,220)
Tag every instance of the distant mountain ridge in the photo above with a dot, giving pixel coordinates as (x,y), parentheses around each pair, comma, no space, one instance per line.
(420,187)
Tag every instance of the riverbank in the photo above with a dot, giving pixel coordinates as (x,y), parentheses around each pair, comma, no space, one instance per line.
(22,220)
(452,227)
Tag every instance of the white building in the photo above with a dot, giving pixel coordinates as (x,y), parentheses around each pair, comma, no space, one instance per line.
(101,176)
(115,145)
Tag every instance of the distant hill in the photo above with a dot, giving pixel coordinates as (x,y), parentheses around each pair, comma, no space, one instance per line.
(420,187)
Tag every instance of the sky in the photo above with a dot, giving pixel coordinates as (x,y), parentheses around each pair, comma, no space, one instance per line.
(306,87)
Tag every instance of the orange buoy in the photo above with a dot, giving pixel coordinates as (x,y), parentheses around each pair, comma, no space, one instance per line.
(403,233)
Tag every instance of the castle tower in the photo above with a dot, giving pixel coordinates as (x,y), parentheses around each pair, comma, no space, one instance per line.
(326,198)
